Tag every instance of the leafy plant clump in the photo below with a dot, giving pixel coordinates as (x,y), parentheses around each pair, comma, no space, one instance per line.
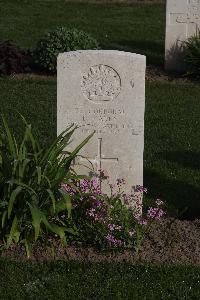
(13,59)
(109,221)
(58,41)
(192,55)
(31,196)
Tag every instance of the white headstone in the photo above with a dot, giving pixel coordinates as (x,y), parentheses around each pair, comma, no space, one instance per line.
(104,91)
(182,22)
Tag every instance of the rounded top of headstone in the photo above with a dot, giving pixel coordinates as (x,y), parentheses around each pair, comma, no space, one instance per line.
(102,52)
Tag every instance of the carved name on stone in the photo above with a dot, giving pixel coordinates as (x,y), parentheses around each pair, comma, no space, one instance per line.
(101,83)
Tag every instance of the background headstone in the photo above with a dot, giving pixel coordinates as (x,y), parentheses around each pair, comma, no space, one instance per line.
(104,91)
(182,22)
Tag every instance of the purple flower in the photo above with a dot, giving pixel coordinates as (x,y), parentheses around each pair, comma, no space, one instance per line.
(142,222)
(113,227)
(155,213)
(159,202)
(113,241)
(91,212)
(137,215)
(141,189)
(98,203)
(120,181)
(68,189)
(131,233)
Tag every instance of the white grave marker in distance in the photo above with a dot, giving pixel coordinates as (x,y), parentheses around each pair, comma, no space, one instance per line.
(182,22)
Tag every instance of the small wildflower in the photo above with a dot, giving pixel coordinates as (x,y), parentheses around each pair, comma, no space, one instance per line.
(113,241)
(155,213)
(142,222)
(131,233)
(113,227)
(141,189)
(120,181)
(159,202)
(91,212)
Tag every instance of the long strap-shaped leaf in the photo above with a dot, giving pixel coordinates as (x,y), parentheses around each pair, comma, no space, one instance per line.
(13,232)
(66,161)
(13,197)
(10,139)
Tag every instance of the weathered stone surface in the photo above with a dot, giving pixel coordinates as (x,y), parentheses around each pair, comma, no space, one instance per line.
(104,91)
(182,21)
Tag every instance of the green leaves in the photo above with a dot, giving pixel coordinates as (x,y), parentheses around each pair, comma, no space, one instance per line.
(64,204)
(13,197)
(37,217)
(31,198)
(192,55)
(14,232)
(58,41)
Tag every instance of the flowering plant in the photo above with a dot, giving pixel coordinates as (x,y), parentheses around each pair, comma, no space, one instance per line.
(109,221)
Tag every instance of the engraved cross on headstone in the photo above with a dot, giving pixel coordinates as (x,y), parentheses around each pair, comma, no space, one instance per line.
(99,158)
(188,19)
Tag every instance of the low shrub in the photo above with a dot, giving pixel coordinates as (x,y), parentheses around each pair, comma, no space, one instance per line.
(13,59)
(110,222)
(30,187)
(192,55)
(58,41)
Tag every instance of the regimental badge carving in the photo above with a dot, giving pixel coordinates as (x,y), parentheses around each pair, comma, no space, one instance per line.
(101,83)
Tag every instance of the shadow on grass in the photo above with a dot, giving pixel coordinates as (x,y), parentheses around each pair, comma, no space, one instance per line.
(152,49)
(182,198)
(186,159)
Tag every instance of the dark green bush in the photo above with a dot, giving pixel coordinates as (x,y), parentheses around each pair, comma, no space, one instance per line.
(58,41)
(13,59)
(192,55)
(31,197)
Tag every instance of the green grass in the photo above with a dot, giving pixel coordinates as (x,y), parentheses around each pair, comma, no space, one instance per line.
(136,28)
(171,158)
(75,280)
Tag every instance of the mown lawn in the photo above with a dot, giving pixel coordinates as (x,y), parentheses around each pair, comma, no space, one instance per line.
(137,28)
(75,280)
(171,157)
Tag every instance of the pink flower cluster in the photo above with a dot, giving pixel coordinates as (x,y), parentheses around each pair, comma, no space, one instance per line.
(120,181)
(113,227)
(155,213)
(90,186)
(97,207)
(66,187)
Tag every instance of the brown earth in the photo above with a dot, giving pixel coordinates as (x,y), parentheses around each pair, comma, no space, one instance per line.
(170,241)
